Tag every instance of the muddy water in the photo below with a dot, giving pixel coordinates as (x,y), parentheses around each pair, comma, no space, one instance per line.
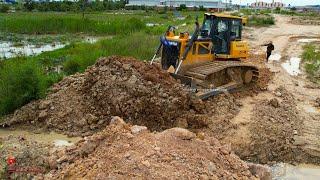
(51,138)
(292,66)
(8,50)
(284,171)
(275,57)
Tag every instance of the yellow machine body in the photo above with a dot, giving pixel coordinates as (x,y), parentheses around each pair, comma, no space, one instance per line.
(212,57)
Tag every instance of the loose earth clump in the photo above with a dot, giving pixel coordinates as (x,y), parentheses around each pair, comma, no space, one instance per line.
(125,151)
(275,123)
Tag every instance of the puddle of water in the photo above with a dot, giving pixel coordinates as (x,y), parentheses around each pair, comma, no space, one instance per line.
(308,40)
(152,24)
(91,39)
(285,171)
(292,66)
(275,57)
(59,142)
(310,109)
(8,50)
(52,138)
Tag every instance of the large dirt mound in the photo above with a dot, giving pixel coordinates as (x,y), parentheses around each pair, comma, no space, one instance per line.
(84,103)
(124,151)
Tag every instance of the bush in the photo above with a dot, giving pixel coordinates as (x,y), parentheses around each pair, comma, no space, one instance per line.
(201,8)
(256,20)
(20,82)
(4,8)
(182,7)
(311,58)
(71,67)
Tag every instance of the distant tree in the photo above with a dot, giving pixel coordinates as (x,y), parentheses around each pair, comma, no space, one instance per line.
(4,8)
(293,9)
(29,5)
(201,8)
(182,7)
(83,6)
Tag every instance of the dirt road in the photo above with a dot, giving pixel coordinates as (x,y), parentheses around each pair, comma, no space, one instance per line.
(286,132)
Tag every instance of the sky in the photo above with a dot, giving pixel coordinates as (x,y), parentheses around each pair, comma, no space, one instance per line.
(292,2)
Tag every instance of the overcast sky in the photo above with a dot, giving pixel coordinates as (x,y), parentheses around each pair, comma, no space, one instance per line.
(292,2)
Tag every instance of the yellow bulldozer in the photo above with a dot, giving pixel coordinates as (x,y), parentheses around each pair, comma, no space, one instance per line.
(210,60)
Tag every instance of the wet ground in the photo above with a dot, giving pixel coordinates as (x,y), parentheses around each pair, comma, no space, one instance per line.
(283,171)
(57,140)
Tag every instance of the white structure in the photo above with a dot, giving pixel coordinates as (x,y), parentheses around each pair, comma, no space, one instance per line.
(265,5)
(209,4)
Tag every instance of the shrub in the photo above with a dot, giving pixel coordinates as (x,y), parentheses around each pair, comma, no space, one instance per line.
(71,67)
(311,58)
(4,8)
(20,82)
(201,8)
(256,20)
(182,7)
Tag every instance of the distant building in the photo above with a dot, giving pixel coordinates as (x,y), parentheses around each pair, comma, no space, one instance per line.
(314,8)
(208,4)
(265,5)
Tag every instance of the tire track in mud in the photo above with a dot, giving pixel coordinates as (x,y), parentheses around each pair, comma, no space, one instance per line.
(303,126)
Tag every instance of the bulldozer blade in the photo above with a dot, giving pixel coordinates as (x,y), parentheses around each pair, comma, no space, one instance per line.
(222,89)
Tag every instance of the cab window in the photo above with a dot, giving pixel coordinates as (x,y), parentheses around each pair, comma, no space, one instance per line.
(236,29)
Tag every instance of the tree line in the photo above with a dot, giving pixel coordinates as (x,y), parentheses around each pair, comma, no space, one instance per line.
(65,6)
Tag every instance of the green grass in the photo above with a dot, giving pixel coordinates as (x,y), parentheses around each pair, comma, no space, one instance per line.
(23,79)
(311,59)
(110,23)
(261,20)
(58,23)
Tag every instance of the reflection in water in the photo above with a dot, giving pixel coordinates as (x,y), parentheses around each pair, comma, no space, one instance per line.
(292,66)
(8,50)
(275,57)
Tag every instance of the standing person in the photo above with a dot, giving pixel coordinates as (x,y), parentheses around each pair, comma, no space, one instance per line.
(270,48)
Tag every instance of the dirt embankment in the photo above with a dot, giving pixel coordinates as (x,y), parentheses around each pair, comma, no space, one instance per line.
(306,20)
(125,151)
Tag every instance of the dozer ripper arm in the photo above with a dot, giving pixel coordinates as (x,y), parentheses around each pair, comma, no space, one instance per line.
(189,45)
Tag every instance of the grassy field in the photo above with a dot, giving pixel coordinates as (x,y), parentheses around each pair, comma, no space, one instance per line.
(108,23)
(23,79)
(311,58)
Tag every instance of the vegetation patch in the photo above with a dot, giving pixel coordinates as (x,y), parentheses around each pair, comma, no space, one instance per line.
(311,58)
(261,20)
(43,23)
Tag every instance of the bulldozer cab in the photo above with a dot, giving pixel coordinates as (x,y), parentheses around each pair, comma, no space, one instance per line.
(222,30)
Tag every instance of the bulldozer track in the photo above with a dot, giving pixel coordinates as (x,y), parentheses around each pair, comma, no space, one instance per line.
(203,71)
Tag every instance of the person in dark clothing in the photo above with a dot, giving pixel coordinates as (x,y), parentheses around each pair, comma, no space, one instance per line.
(270,48)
